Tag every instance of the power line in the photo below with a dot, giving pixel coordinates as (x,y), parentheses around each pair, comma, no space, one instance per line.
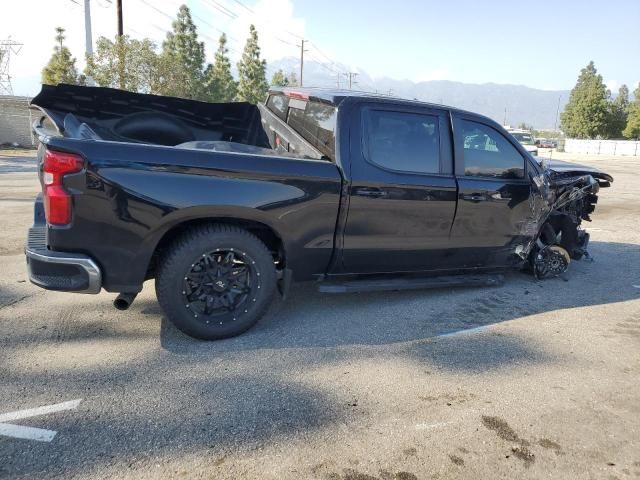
(252,11)
(165,14)
(323,54)
(323,65)
(222,9)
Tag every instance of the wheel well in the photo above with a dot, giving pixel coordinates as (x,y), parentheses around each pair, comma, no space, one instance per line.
(265,233)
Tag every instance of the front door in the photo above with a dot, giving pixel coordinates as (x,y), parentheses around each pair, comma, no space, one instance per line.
(402,197)
(493,196)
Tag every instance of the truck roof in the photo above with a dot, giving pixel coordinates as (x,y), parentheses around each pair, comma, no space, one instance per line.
(335,96)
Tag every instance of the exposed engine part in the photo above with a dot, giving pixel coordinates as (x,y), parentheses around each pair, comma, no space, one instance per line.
(551,261)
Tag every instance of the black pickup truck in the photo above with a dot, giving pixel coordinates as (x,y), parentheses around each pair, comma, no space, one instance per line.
(224,203)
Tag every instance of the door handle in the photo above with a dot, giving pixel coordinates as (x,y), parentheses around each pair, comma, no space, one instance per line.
(370,192)
(474,197)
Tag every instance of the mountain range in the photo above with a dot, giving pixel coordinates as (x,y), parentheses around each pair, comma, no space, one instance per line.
(506,104)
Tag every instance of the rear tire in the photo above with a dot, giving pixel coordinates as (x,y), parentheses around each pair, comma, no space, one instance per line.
(216,281)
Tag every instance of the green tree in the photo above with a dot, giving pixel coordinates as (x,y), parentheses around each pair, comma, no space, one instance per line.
(62,66)
(279,79)
(524,126)
(633,118)
(138,69)
(292,79)
(252,86)
(618,111)
(587,112)
(220,85)
(181,63)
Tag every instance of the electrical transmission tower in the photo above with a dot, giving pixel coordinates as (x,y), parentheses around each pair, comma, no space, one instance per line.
(7,47)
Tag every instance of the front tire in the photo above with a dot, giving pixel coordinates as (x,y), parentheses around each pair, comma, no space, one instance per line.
(216,281)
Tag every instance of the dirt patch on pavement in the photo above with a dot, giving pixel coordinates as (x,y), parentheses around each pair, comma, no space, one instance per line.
(502,429)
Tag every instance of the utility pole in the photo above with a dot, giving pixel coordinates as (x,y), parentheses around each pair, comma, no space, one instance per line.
(88,37)
(120,24)
(352,76)
(121,49)
(504,122)
(302,50)
(555,125)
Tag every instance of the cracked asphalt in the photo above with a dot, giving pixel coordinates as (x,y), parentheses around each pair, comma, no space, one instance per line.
(528,380)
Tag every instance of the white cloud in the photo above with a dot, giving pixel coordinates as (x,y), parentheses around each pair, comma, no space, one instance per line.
(612,85)
(279,30)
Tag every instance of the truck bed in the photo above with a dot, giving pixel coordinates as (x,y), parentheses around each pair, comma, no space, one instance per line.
(181,162)
(106,114)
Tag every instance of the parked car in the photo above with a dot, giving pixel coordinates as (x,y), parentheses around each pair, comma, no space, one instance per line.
(546,143)
(525,138)
(222,204)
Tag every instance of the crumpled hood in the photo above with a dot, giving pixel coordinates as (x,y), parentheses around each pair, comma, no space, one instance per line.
(569,169)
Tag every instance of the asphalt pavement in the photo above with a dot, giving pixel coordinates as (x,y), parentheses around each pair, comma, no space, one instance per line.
(534,379)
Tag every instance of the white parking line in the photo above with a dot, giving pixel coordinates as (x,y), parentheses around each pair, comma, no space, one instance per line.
(32,433)
(462,332)
(27,433)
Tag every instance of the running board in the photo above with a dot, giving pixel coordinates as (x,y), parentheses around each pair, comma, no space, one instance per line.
(381,285)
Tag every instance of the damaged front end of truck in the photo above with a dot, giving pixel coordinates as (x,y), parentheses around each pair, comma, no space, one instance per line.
(564,196)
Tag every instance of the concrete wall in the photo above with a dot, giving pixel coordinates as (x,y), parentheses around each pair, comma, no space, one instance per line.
(602,147)
(15,122)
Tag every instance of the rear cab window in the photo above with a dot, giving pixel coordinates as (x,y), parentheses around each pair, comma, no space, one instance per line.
(313,120)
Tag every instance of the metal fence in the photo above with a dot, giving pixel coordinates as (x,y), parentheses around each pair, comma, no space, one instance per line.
(602,147)
(15,121)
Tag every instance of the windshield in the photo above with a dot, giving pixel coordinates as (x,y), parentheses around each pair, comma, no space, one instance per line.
(523,138)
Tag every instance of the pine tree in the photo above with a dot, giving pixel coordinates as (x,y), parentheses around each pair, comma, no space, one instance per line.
(139,69)
(633,118)
(252,86)
(279,79)
(62,66)
(292,79)
(587,112)
(181,63)
(220,85)
(618,111)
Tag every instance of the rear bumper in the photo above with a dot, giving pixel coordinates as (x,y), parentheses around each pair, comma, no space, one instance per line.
(67,272)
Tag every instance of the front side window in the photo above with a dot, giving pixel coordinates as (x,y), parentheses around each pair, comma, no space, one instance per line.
(487,153)
(407,142)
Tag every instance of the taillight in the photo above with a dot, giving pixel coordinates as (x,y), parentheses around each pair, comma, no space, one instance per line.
(57,201)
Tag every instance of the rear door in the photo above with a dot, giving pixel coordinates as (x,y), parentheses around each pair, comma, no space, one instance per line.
(493,196)
(402,196)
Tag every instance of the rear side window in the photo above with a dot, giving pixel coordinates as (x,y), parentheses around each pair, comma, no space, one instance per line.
(278,104)
(487,153)
(406,142)
(316,123)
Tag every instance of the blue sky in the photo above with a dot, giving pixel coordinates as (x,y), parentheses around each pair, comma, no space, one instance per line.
(540,44)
